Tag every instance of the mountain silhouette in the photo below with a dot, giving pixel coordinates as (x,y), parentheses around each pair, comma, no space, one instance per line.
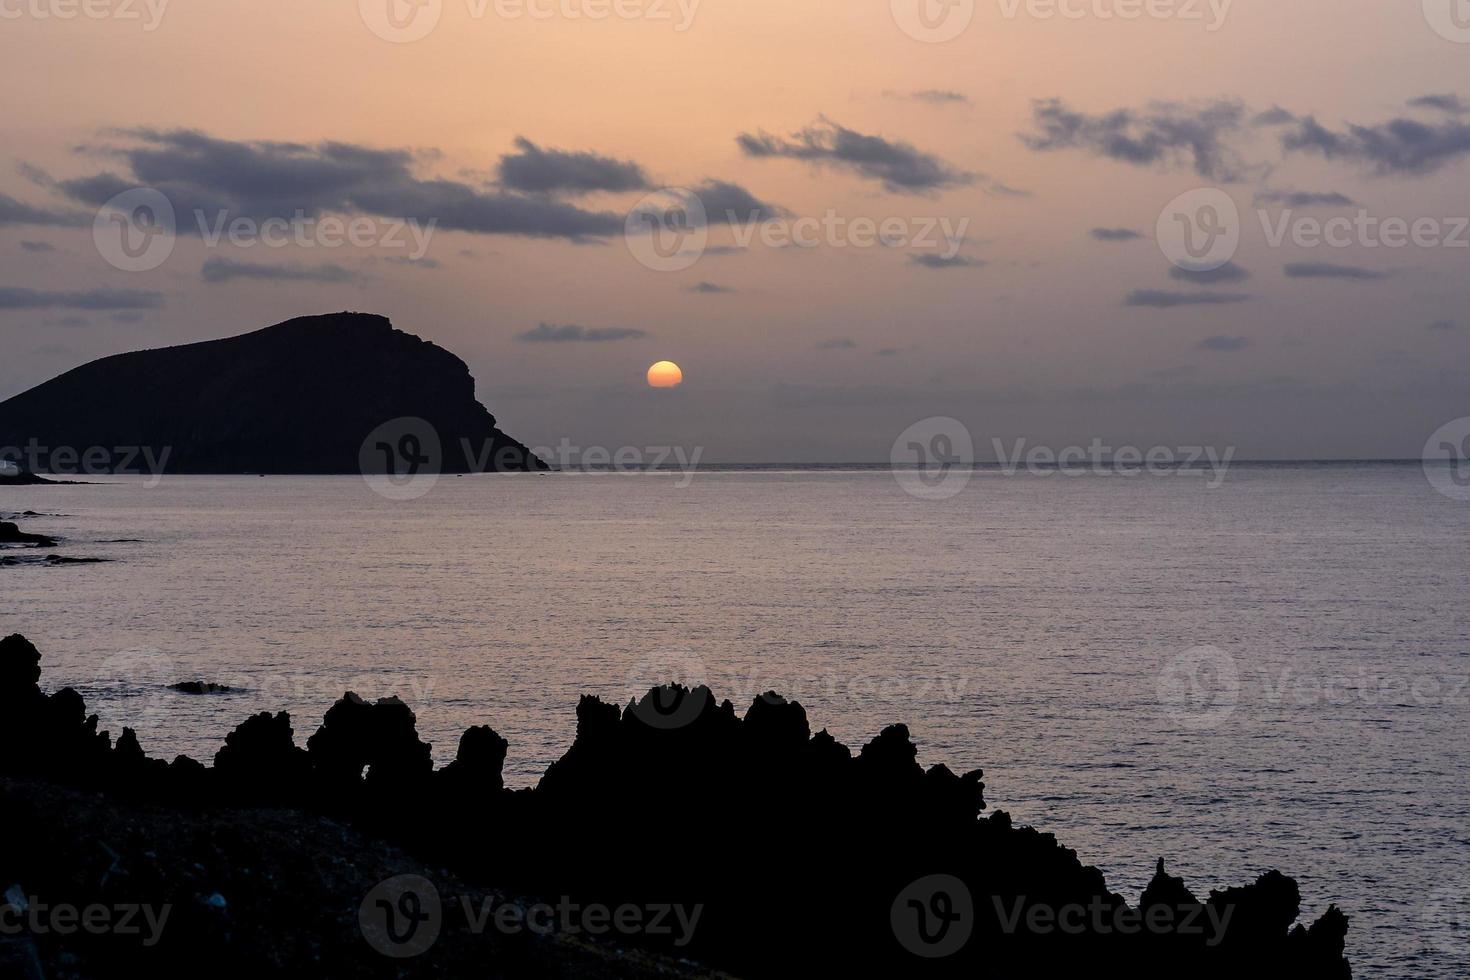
(340,393)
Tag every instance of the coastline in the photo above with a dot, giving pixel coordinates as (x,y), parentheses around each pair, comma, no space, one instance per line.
(634,814)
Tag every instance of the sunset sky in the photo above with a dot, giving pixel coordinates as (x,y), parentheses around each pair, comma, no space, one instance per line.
(1054,143)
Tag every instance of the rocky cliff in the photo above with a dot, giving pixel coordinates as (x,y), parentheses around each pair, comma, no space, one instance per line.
(340,393)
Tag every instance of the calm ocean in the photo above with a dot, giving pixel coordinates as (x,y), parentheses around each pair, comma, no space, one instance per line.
(1268,673)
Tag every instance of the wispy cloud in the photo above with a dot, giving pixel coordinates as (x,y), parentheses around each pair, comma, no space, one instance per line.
(570,333)
(14,212)
(1162,133)
(1229,272)
(1326,270)
(1221,343)
(1304,199)
(17,298)
(931,96)
(1114,234)
(1163,299)
(898,166)
(933,260)
(1401,145)
(1448,102)
(218,270)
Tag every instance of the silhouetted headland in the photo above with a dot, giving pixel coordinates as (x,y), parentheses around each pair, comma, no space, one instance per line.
(24,479)
(298,397)
(763,850)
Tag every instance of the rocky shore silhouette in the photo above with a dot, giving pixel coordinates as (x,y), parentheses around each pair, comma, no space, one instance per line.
(674,837)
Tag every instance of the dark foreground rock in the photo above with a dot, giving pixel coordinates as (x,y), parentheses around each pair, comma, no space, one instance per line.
(24,479)
(200,687)
(673,826)
(247,893)
(12,534)
(49,561)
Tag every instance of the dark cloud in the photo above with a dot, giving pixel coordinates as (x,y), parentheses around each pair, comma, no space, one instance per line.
(261,180)
(127,316)
(709,287)
(538,171)
(898,166)
(412,263)
(721,202)
(1229,272)
(1163,300)
(1443,325)
(1114,234)
(727,203)
(1399,146)
(219,270)
(66,321)
(38,247)
(1224,343)
(13,212)
(550,333)
(1325,270)
(1450,103)
(1163,133)
(836,343)
(933,260)
(1305,199)
(1201,135)
(17,298)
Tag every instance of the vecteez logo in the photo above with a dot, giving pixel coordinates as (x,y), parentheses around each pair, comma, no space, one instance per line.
(402,458)
(1446,459)
(401,21)
(934,458)
(933,917)
(667,230)
(404,917)
(147,12)
(933,21)
(405,21)
(401,917)
(1200,687)
(136,231)
(1199,231)
(1450,19)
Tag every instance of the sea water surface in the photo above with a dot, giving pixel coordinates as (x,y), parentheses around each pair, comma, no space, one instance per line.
(1271,673)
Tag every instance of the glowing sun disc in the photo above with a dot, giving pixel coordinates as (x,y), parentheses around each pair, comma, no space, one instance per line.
(665,374)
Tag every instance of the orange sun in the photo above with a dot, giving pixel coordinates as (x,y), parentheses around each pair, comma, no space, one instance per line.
(665,374)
